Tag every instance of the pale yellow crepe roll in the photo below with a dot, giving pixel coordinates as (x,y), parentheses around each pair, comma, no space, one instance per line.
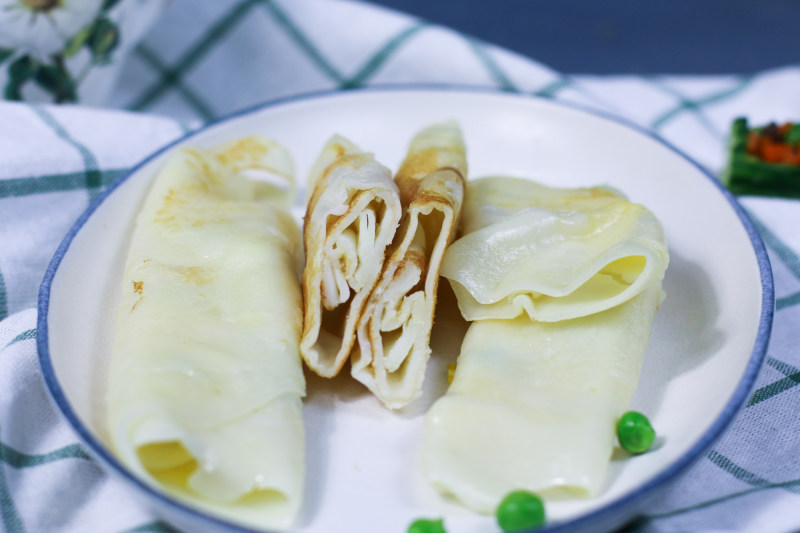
(394,330)
(551,253)
(537,390)
(352,215)
(206,383)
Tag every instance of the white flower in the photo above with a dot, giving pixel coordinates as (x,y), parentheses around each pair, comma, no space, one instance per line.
(44,27)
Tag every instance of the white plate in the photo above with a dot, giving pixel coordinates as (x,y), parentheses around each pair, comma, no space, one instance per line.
(708,342)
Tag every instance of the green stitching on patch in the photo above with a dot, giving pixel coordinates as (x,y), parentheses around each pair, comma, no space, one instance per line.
(92,172)
(202,108)
(8,510)
(784,252)
(18,459)
(197,52)
(791,380)
(3,298)
(791,484)
(736,471)
(550,90)
(741,474)
(780,366)
(72,181)
(25,335)
(777,387)
(491,65)
(787,301)
(381,56)
(301,40)
(696,104)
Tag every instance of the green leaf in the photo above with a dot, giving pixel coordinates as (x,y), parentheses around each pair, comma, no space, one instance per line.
(5,53)
(102,40)
(13,91)
(109,4)
(22,69)
(77,42)
(56,80)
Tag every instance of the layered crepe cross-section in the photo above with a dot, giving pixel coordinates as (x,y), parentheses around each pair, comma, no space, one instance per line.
(395,327)
(205,382)
(352,215)
(562,286)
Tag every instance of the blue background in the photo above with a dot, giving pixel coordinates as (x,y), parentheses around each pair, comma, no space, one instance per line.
(629,36)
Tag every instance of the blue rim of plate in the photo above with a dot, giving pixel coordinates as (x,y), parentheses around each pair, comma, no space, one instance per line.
(594,518)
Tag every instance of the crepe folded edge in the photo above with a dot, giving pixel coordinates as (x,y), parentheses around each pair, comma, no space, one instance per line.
(530,225)
(172,456)
(395,327)
(352,216)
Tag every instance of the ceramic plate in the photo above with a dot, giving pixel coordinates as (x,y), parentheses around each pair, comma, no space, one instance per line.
(363,474)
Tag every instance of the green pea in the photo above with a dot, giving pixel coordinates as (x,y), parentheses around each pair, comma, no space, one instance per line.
(519,511)
(426,526)
(634,432)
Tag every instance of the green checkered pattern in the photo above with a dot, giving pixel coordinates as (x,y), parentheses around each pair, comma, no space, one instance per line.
(178,80)
(237,53)
(36,209)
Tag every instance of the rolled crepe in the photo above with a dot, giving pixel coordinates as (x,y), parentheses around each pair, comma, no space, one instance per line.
(206,383)
(551,253)
(351,218)
(394,330)
(533,403)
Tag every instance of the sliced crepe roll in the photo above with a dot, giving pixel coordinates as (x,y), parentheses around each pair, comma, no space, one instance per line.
(394,330)
(205,380)
(351,218)
(533,405)
(551,253)
(543,375)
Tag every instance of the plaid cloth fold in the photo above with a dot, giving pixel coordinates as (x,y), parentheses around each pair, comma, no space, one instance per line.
(207,58)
